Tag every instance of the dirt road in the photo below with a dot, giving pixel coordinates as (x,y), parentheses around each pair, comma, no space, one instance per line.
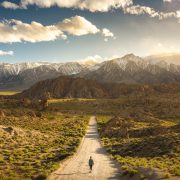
(77,168)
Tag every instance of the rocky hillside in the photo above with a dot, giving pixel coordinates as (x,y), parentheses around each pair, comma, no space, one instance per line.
(68,87)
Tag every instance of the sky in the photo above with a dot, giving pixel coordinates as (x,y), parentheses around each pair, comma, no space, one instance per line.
(68,30)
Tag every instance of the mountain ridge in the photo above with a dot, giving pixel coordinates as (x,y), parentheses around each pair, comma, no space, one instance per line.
(133,69)
(128,69)
(70,87)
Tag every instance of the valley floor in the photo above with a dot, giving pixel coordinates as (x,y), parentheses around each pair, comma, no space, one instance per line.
(141,132)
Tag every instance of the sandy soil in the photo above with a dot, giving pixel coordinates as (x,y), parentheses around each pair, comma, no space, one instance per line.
(77,167)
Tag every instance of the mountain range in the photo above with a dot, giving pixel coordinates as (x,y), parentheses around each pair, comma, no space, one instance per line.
(23,75)
(130,69)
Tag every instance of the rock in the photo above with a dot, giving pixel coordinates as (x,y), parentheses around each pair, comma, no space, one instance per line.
(9,130)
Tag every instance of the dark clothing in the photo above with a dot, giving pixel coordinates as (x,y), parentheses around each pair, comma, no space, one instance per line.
(91,162)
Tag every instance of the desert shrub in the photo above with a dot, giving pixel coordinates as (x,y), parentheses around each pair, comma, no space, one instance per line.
(117,127)
(26,102)
(36,145)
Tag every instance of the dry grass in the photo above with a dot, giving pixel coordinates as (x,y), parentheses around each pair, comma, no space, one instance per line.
(32,146)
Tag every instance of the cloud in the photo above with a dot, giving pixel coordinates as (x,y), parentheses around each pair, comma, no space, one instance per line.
(10,5)
(5,53)
(49,3)
(77,26)
(127,6)
(178,14)
(139,10)
(107,34)
(103,5)
(91,5)
(17,31)
(169,1)
(91,60)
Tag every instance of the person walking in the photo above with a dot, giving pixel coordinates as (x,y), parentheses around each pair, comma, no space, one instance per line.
(91,163)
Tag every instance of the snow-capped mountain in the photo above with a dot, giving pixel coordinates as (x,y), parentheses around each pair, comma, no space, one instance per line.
(7,69)
(134,69)
(127,69)
(23,75)
(71,68)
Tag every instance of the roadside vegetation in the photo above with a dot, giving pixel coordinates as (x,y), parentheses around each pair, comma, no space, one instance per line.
(33,142)
(145,137)
(139,146)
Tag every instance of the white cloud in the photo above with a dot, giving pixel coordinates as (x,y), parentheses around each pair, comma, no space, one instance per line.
(107,34)
(103,5)
(49,3)
(167,0)
(91,60)
(5,53)
(91,5)
(139,10)
(170,1)
(77,26)
(17,31)
(95,6)
(178,14)
(10,5)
